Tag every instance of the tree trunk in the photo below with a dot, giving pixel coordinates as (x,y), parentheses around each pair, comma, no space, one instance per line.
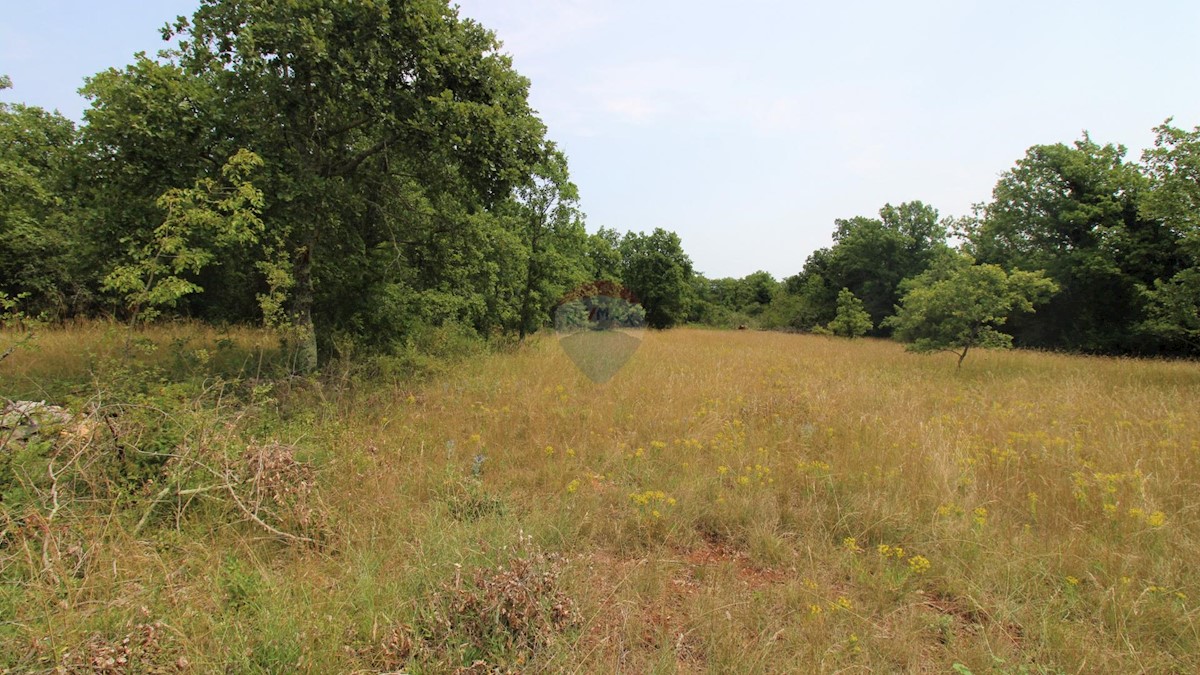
(531,271)
(303,338)
(527,302)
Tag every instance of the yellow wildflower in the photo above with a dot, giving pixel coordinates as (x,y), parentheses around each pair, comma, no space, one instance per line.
(980,516)
(919,564)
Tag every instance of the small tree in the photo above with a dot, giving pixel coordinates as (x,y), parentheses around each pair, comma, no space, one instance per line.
(852,319)
(200,221)
(960,305)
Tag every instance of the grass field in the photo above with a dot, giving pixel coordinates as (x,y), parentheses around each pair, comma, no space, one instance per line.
(727,502)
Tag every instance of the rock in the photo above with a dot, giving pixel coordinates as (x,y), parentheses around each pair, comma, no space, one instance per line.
(20,420)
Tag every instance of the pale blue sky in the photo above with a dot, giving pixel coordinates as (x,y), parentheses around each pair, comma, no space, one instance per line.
(748,127)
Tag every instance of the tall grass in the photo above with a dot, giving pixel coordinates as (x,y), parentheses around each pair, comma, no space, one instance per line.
(728,502)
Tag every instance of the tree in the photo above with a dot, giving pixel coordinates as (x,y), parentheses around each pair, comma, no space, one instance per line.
(36,153)
(657,270)
(1072,211)
(871,256)
(1173,165)
(960,305)
(604,255)
(852,319)
(391,131)
(201,221)
(731,302)
(1174,311)
(554,235)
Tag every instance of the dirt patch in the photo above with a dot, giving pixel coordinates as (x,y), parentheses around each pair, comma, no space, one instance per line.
(969,618)
(713,554)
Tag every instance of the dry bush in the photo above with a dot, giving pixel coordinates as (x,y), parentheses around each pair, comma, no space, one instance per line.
(279,489)
(502,614)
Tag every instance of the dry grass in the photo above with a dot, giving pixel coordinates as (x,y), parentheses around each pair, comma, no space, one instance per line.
(728,502)
(59,357)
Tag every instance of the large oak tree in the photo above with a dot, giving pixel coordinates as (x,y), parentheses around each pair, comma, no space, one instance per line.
(388,130)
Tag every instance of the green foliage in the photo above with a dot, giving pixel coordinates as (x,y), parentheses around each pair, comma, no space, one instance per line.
(11,315)
(731,302)
(658,272)
(799,303)
(870,256)
(36,149)
(960,305)
(201,222)
(604,255)
(1173,165)
(852,319)
(554,236)
(404,183)
(392,134)
(1174,311)
(1072,211)
(151,128)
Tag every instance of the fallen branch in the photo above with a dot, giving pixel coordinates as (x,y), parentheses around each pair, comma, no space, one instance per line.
(161,497)
(254,516)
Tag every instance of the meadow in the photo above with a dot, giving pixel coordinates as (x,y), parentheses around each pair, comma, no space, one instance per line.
(729,501)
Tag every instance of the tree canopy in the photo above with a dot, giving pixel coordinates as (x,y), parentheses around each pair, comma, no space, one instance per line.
(1072,211)
(657,270)
(870,257)
(958,305)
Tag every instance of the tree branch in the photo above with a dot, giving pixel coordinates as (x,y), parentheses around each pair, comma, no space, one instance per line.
(352,165)
(254,516)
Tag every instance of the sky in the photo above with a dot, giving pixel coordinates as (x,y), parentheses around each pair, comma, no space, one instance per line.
(749,127)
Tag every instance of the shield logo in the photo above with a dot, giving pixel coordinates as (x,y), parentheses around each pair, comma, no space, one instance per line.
(598,326)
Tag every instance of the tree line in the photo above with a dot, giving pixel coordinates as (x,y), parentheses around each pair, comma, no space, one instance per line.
(344,171)
(1117,241)
(359,171)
